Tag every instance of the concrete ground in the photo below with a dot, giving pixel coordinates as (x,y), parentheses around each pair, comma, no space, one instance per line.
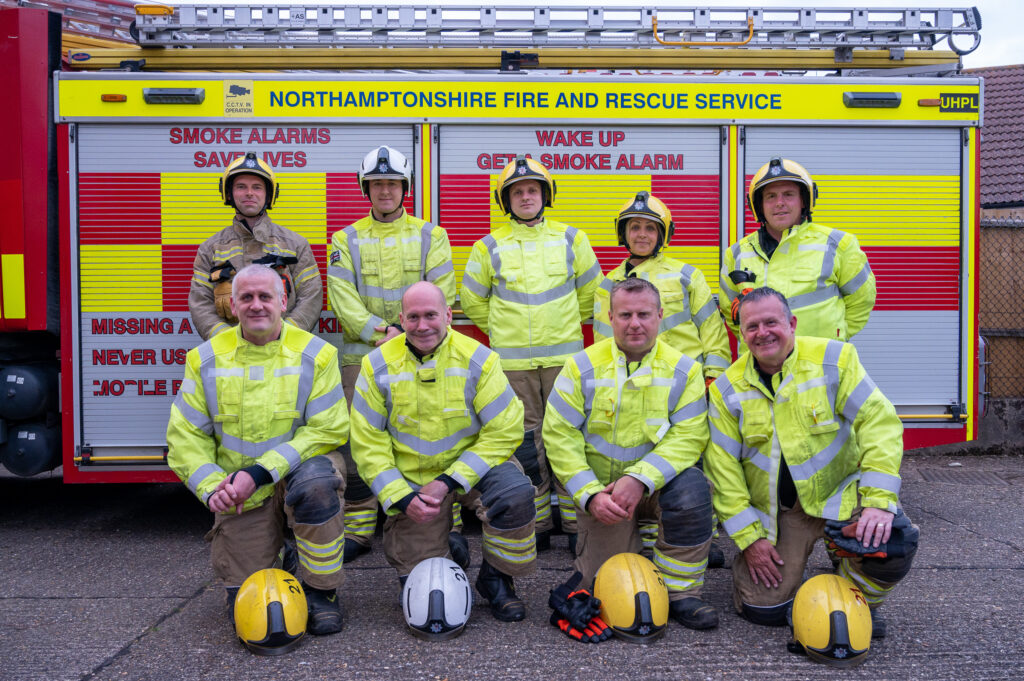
(114,582)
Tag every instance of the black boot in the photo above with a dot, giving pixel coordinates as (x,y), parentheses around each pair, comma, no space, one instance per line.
(459,548)
(572,542)
(353,550)
(325,616)
(878,626)
(693,613)
(499,590)
(716,557)
(543,541)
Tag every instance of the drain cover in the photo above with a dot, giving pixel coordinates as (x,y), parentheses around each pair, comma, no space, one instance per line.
(958,476)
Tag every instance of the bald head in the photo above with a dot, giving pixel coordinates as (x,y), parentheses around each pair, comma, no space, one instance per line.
(425,316)
(422,291)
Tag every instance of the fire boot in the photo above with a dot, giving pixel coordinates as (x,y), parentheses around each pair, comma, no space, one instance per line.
(459,548)
(878,626)
(693,613)
(500,592)
(353,550)
(325,616)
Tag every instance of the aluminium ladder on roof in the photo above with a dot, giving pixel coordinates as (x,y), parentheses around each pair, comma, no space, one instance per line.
(840,29)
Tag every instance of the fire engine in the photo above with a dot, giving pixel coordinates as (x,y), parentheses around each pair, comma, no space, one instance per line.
(114,150)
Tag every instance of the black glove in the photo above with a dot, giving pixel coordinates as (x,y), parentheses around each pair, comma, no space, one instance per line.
(572,604)
(842,537)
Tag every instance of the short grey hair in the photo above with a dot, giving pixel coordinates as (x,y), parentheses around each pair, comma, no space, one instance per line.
(634,285)
(764,293)
(255,271)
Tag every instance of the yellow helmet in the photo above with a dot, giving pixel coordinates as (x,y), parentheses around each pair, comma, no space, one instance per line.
(270,612)
(832,621)
(524,168)
(248,165)
(776,170)
(634,598)
(645,205)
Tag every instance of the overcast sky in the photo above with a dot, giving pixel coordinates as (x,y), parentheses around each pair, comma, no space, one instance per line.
(1001,42)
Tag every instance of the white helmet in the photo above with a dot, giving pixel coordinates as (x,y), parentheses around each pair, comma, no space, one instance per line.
(436,599)
(385,163)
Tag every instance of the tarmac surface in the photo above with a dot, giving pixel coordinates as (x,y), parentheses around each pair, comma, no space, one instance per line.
(114,582)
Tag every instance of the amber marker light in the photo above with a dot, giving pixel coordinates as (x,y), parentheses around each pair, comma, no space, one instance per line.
(929,102)
(113,98)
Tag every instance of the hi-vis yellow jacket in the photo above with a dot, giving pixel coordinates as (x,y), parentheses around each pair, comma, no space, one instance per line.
(529,289)
(823,273)
(371,264)
(240,404)
(840,436)
(602,424)
(452,413)
(691,323)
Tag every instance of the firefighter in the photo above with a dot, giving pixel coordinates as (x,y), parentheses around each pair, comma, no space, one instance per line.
(625,427)
(249,185)
(529,285)
(804,446)
(372,262)
(821,271)
(691,321)
(433,419)
(258,411)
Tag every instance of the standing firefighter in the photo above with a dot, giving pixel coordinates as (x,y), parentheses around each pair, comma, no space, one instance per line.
(529,285)
(625,428)
(372,263)
(249,186)
(821,271)
(804,447)
(434,419)
(257,412)
(691,322)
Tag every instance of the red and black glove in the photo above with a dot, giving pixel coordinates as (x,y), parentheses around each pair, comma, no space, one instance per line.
(841,537)
(577,612)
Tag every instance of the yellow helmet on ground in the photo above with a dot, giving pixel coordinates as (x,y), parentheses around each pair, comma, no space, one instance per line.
(248,165)
(634,598)
(832,621)
(523,168)
(650,207)
(270,612)
(777,170)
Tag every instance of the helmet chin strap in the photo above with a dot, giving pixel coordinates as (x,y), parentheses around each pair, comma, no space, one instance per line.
(657,249)
(520,218)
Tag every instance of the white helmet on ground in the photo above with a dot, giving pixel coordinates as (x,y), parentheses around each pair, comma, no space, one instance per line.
(385,163)
(436,599)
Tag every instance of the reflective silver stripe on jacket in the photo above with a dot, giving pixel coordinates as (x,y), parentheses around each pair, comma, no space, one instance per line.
(577,482)
(886,481)
(200,474)
(500,284)
(702,315)
(859,280)
(857,397)
(603,328)
(539,351)
(497,405)
(475,463)
(324,402)
(664,467)
(617,452)
(567,412)
(834,503)
(425,242)
(377,421)
(201,420)
(820,295)
(476,287)
(384,479)
(342,273)
(818,462)
(747,516)
(291,455)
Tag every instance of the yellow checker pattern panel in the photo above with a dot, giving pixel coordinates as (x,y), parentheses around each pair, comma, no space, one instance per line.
(892,210)
(121,278)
